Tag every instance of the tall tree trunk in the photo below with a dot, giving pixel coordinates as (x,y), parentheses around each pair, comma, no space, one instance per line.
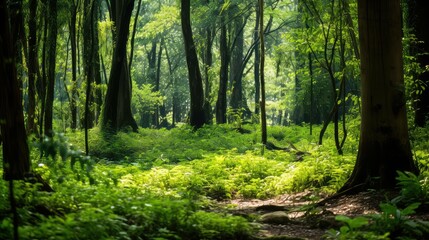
(52,54)
(208,64)
(384,146)
(157,81)
(197,116)
(16,160)
(88,60)
(117,107)
(262,66)
(223,76)
(257,61)
(237,99)
(73,90)
(32,67)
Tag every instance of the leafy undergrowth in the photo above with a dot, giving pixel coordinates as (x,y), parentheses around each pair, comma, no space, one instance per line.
(164,184)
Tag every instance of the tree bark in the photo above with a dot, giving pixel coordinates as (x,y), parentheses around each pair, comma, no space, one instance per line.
(384,146)
(117,107)
(16,161)
(237,99)
(73,90)
(197,114)
(223,76)
(52,54)
(262,76)
(33,65)
(257,61)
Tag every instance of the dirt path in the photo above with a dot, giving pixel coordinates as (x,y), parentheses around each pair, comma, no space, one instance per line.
(294,216)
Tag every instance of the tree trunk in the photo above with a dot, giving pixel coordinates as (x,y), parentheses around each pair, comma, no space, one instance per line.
(117,107)
(32,67)
(257,60)
(262,66)
(197,115)
(237,99)
(88,60)
(16,161)
(223,76)
(52,54)
(73,90)
(384,146)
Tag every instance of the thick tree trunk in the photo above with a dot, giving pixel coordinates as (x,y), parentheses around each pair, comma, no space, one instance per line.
(384,146)
(197,115)
(223,76)
(52,54)
(16,161)
(117,107)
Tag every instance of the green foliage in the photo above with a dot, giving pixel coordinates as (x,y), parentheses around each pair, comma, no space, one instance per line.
(391,223)
(413,188)
(58,158)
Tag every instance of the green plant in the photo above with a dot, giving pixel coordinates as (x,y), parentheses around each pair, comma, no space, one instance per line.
(391,223)
(413,188)
(58,158)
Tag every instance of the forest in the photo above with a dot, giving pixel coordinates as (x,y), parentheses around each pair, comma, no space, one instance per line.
(202,119)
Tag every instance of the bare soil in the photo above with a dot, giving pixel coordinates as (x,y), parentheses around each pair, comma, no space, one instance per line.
(305,219)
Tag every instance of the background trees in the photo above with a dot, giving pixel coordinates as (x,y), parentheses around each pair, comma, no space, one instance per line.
(311,64)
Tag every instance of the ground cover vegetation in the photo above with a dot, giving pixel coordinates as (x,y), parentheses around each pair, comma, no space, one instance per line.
(232,119)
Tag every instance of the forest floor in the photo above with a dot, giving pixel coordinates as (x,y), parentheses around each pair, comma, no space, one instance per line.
(298,216)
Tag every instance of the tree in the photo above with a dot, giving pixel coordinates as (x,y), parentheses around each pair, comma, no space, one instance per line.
(52,52)
(33,67)
(384,146)
(197,114)
(262,76)
(73,40)
(223,75)
(16,158)
(117,106)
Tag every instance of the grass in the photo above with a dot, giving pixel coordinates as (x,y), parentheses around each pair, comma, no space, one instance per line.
(161,184)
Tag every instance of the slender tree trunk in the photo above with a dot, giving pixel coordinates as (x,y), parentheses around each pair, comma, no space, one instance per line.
(88,57)
(32,67)
(237,99)
(208,64)
(52,54)
(262,66)
(257,61)
(223,76)
(384,146)
(197,115)
(73,90)
(133,35)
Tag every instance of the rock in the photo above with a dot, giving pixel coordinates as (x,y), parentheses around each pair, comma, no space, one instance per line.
(271,208)
(278,217)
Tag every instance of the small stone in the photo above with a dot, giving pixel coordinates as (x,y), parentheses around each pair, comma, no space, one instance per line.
(278,217)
